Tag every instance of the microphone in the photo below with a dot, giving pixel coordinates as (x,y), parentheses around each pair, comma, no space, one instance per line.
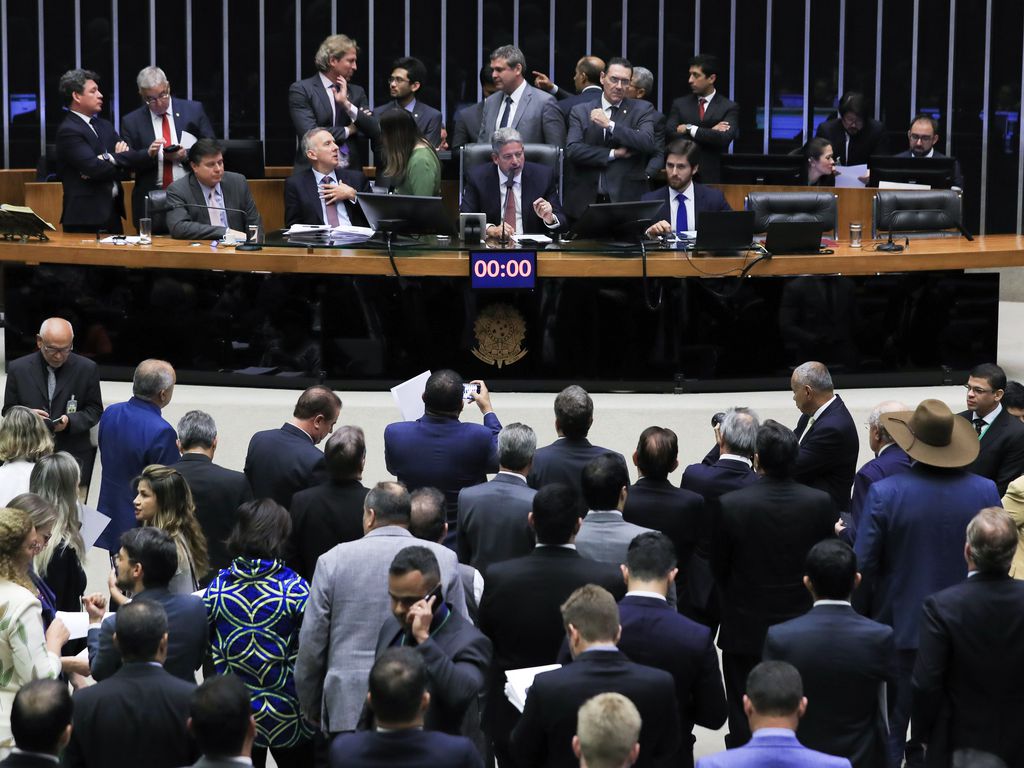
(890,246)
(948,220)
(250,244)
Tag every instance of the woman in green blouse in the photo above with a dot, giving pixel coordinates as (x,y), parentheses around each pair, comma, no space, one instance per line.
(412,162)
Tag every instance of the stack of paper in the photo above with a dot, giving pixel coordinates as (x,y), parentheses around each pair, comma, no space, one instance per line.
(518,682)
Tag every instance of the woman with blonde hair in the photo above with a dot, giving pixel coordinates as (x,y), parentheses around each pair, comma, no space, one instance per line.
(24,439)
(55,478)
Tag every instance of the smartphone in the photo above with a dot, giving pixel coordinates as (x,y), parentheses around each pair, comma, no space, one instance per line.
(56,420)
(171,149)
(438,599)
(468,390)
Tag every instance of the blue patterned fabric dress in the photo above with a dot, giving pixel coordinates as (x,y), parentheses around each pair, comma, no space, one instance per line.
(255,611)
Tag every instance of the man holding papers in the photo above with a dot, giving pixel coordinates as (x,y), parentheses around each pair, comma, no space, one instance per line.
(323,193)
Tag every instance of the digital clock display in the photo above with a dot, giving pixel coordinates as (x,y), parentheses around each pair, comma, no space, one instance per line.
(503,269)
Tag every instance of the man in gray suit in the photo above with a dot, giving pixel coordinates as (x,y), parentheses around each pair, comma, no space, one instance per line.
(493,516)
(210,203)
(517,104)
(348,603)
(604,535)
(221,722)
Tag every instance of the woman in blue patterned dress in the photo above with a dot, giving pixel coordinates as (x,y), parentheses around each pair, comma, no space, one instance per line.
(255,610)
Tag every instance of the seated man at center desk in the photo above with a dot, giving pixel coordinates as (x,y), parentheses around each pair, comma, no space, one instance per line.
(210,202)
(684,198)
(323,193)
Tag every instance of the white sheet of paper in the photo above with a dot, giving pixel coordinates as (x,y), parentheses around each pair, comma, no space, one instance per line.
(76,622)
(409,396)
(518,682)
(187,139)
(849,175)
(93,524)
(901,185)
(351,229)
(298,229)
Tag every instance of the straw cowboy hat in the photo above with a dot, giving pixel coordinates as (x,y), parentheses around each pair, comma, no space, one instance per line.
(933,434)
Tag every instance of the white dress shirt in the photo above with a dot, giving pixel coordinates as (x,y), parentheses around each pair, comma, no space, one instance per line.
(158,133)
(343,219)
(673,204)
(517,96)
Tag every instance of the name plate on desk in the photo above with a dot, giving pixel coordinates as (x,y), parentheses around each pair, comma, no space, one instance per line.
(503,269)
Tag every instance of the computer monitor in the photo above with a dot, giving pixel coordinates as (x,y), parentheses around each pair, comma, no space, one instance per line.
(405,214)
(934,172)
(244,156)
(617,221)
(784,170)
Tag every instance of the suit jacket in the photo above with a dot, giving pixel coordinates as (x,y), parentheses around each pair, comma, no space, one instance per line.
(870,140)
(605,536)
(302,198)
(566,100)
(844,659)
(348,603)
(457,656)
(466,127)
(967,676)
(587,148)
(777,747)
(654,635)
(187,215)
(828,453)
(137,129)
(282,462)
(757,556)
(27,760)
(891,461)
(132,435)
(187,636)
(412,748)
(123,731)
(958,176)
(87,178)
(910,542)
(310,107)
(482,194)
(537,118)
(428,120)
(442,452)
(718,477)
(563,461)
(1001,458)
(705,200)
(78,378)
(492,521)
(322,517)
(217,493)
(544,734)
(713,144)
(677,513)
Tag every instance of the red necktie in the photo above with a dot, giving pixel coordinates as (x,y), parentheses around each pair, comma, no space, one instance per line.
(510,204)
(700,108)
(168,167)
(331,208)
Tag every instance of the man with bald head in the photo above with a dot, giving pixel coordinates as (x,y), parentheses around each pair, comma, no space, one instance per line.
(586,78)
(134,435)
(62,387)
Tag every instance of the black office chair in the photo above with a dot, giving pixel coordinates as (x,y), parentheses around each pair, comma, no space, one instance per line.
(916,214)
(472,155)
(46,167)
(156,209)
(244,156)
(771,207)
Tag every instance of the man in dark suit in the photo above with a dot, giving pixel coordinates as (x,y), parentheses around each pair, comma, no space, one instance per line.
(563,460)
(533,207)
(854,135)
(330,100)
(144,565)
(74,404)
(656,636)
(399,699)
(520,607)
(827,435)
(684,200)
(323,193)
(967,678)
(517,104)
(210,203)
(609,144)
(466,126)
(142,693)
(407,76)
(40,723)
(543,736)
(221,722)
(845,661)
(923,136)
(282,462)
(641,86)
(493,521)
(705,116)
(1000,434)
(332,512)
(910,541)
(757,557)
(586,78)
(92,159)
(163,119)
(216,491)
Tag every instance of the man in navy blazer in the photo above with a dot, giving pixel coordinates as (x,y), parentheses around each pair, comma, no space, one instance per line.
(682,161)
(308,191)
(282,462)
(910,537)
(40,723)
(655,635)
(1000,433)
(407,77)
(846,661)
(164,119)
(535,193)
(92,159)
(439,451)
(923,136)
(829,445)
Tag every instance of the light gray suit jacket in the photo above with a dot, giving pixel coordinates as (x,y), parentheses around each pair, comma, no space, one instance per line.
(348,603)
(538,118)
(605,536)
(188,219)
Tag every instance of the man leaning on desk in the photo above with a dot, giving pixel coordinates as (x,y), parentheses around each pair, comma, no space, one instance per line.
(323,193)
(210,203)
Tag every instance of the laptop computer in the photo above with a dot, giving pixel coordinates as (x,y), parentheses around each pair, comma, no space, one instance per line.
(724,233)
(793,237)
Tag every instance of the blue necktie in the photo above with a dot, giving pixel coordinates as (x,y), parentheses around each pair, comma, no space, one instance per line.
(682,224)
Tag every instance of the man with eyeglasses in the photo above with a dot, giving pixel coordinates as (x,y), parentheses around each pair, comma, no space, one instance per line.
(924,136)
(62,387)
(166,122)
(1000,434)
(407,78)
(854,135)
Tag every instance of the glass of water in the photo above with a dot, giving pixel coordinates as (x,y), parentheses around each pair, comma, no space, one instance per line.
(145,231)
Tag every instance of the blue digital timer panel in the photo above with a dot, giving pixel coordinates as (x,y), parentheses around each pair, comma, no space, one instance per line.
(503,269)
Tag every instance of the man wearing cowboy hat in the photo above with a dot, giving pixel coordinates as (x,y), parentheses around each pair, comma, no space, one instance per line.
(910,539)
